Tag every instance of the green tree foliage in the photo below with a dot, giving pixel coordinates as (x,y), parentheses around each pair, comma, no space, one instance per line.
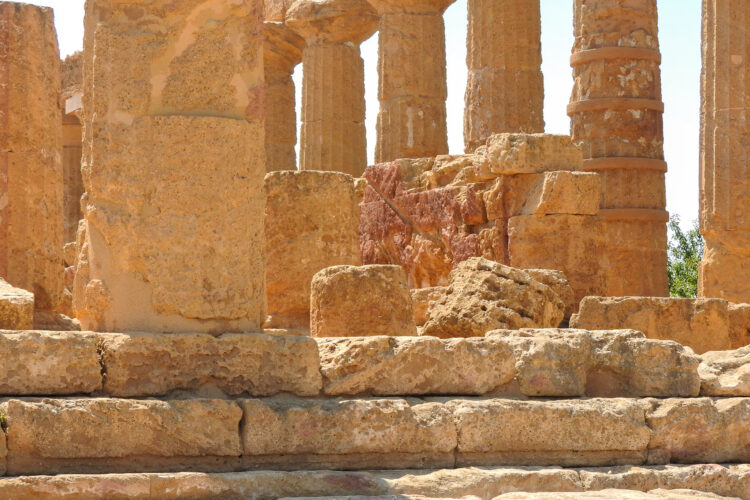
(685,252)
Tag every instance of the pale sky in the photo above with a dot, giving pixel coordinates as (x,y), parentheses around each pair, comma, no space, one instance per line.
(679,23)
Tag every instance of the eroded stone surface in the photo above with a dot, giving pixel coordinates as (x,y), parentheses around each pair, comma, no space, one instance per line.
(46,364)
(351,301)
(529,153)
(615,495)
(16,307)
(312,222)
(725,373)
(254,364)
(421,299)
(702,324)
(485,295)
(559,284)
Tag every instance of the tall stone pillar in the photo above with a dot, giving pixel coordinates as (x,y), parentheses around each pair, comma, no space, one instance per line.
(173,166)
(616,117)
(725,150)
(413,86)
(31,180)
(505,91)
(282,52)
(333,135)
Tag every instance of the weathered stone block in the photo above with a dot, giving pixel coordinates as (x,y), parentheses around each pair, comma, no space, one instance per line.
(559,284)
(485,295)
(700,431)
(312,222)
(391,366)
(530,153)
(16,308)
(116,428)
(703,324)
(46,364)
(350,301)
(588,432)
(421,299)
(341,427)
(725,373)
(256,364)
(574,193)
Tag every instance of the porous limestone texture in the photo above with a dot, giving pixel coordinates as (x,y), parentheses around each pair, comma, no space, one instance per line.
(16,308)
(484,295)
(724,187)
(725,373)
(57,435)
(616,116)
(559,284)
(505,89)
(487,482)
(702,324)
(412,79)
(531,363)
(49,363)
(282,52)
(254,364)
(352,301)
(31,175)
(700,430)
(275,10)
(615,494)
(173,165)
(333,135)
(421,299)
(514,200)
(312,222)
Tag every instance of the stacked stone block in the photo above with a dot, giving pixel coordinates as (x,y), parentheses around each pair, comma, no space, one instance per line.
(173,165)
(616,112)
(31,176)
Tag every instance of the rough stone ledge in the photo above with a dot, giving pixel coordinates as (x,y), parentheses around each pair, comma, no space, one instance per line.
(47,436)
(485,483)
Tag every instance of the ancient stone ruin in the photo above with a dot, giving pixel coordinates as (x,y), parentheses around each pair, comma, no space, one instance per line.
(189,309)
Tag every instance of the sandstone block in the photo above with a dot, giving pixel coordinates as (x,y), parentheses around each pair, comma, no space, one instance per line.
(115,428)
(574,193)
(530,153)
(341,427)
(45,364)
(391,366)
(350,301)
(16,308)
(421,299)
(572,244)
(485,295)
(559,284)
(702,324)
(616,494)
(312,222)
(725,373)
(256,364)
(700,431)
(587,432)
(559,363)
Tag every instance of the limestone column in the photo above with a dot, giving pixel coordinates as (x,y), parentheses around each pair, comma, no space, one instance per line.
(333,135)
(282,51)
(616,117)
(31,180)
(505,90)
(413,86)
(173,165)
(725,150)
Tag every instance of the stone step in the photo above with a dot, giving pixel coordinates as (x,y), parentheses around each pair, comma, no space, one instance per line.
(532,363)
(97,435)
(484,483)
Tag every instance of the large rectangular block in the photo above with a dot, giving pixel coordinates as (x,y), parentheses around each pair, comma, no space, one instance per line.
(46,363)
(530,153)
(587,432)
(700,431)
(725,373)
(256,364)
(42,434)
(312,222)
(16,308)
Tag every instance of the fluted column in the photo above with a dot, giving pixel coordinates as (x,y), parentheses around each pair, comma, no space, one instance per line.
(505,90)
(725,150)
(616,116)
(413,87)
(333,133)
(282,52)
